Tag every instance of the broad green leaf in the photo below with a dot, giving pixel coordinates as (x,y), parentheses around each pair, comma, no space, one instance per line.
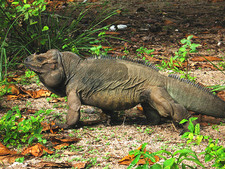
(156,166)
(45,28)
(169,163)
(183,121)
(134,162)
(190,37)
(191,127)
(27,6)
(182,49)
(196,161)
(197,129)
(183,41)
(15,3)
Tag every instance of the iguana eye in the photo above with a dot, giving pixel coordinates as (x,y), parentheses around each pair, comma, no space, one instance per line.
(40,59)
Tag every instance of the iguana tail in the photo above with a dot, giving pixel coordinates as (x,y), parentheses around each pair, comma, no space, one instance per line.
(195,97)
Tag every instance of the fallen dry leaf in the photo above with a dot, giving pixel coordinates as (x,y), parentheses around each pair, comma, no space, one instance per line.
(168,22)
(58,147)
(12,88)
(140,108)
(28,111)
(52,127)
(203,65)
(36,94)
(205,120)
(64,141)
(213,1)
(46,126)
(205,58)
(20,92)
(12,97)
(9,159)
(5,151)
(36,150)
(221,95)
(8,156)
(194,37)
(129,158)
(111,33)
(58,140)
(209,119)
(44,164)
(80,165)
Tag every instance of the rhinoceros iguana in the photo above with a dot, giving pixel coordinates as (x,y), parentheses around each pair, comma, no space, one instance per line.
(116,84)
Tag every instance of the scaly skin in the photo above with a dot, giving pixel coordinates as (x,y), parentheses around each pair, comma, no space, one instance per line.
(114,84)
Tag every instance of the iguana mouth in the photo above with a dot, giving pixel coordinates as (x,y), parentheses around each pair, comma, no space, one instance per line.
(36,69)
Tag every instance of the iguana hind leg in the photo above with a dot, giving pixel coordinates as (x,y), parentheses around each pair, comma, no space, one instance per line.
(151,114)
(160,100)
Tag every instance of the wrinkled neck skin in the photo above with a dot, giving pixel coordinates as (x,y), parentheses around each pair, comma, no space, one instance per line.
(70,62)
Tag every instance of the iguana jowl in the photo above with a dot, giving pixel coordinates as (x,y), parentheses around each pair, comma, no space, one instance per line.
(115,84)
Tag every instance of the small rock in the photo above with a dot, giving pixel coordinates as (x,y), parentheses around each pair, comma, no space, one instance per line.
(121,27)
(117,27)
(112,28)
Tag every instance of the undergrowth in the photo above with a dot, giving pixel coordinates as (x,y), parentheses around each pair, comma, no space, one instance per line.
(179,159)
(15,128)
(32,27)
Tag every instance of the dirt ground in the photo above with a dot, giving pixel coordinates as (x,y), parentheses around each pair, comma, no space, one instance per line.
(158,25)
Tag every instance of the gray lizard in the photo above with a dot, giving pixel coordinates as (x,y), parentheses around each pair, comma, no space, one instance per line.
(116,84)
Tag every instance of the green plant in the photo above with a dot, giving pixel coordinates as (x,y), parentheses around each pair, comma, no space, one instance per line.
(141,51)
(126,52)
(184,52)
(20,160)
(217,88)
(177,159)
(29,73)
(3,63)
(29,77)
(99,50)
(216,153)
(15,129)
(4,87)
(193,135)
(182,56)
(141,153)
(222,64)
(212,151)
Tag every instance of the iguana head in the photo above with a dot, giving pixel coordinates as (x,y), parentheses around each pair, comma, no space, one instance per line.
(49,68)
(43,63)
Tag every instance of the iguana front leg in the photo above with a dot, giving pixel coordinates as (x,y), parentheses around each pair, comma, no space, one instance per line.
(74,104)
(73,115)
